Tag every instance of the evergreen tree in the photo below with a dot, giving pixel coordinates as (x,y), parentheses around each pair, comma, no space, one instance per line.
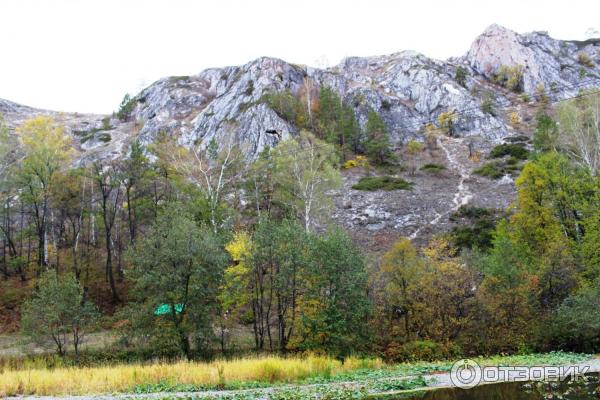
(378,139)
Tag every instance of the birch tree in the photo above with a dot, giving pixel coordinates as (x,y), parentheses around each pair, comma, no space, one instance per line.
(579,126)
(47,150)
(215,169)
(305,171)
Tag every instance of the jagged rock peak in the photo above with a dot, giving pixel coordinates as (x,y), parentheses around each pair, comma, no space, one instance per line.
(546,62)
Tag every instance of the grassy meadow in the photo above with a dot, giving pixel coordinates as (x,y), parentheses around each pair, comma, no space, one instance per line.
(246,373)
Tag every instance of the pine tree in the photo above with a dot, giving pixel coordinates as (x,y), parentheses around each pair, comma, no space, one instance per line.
(378,139)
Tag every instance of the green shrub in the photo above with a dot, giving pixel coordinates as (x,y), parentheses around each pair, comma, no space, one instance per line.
(180,78)
(372,183)
(432,167)
(510,77)
(517,139)
(287,106)
(470,212)
(516,150)
(460,76)
(488,103)
(476,229)
(250,88)
(106,126)
(497,169)
(126,107)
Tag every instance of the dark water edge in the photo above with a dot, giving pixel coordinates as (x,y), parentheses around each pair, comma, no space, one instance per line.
(582,388)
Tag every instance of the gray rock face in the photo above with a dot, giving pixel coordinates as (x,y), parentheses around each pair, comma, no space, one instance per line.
(546,61)
(408,89)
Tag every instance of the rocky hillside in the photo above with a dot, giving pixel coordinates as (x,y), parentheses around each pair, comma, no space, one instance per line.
(408,89)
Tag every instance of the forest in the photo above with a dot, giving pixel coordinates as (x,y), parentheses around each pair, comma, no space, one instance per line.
(197,252)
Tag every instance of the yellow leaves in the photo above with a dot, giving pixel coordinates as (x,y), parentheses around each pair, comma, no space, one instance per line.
(240,247)
(511,77)
(514,119)
(234,292)
(446,121)
(358,161)
(439,248)
(42,134)
(401,254)
(413,147)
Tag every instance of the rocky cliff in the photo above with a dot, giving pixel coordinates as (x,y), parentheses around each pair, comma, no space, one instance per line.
(408,89)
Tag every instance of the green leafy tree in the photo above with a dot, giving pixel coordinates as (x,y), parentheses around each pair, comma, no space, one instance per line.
(267,277)
(335,307)
(377,145)
(351,130)
(505,296)
(58,311)
(304,173)
(545,136)
(47,151)
(134,175)
(460,76)
(178,264)
(399,272)
(126,107)
(106,179)
(580,130)
(575,324)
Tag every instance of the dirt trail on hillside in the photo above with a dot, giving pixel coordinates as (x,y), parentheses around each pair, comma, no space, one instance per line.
(452,147)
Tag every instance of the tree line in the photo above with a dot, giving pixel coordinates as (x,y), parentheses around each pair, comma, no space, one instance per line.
(183,246)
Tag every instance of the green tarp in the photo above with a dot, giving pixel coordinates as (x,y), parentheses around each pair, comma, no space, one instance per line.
(166,309)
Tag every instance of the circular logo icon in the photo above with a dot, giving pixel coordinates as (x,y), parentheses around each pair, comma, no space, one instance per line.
(465,374)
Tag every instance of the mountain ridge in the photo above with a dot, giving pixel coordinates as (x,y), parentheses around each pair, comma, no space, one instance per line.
(409,91)
(408,88)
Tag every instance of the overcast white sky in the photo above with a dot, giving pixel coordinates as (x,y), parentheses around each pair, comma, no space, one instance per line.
(84,55)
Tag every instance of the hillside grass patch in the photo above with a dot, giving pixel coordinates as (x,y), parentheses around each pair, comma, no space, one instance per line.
(386,182)
(433,168)
(498,169)
(516,150)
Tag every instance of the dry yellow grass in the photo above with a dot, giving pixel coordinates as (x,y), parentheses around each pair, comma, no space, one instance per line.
(122,378)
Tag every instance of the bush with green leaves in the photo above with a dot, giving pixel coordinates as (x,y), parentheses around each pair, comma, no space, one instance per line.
(475,229)
(372,183)
(421,350)
(58,312)
(433,168)
(510,77)
(516,150)
(498,169)
(460,76)
(335,310)
(126,107)
(488,103)
(576,322)
(177,264)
